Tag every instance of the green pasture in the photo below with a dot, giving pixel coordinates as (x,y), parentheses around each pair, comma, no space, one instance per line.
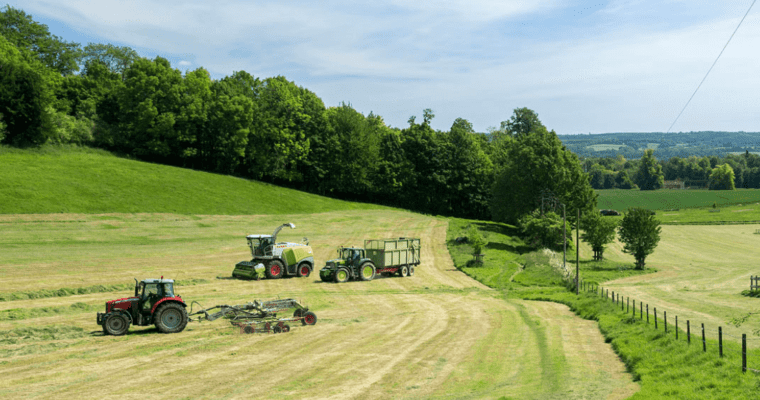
(81,180)
(619,199)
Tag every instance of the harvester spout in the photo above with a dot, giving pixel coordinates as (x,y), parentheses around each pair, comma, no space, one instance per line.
(279,228)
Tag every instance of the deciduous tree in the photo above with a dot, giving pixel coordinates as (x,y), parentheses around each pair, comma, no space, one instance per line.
(640,233)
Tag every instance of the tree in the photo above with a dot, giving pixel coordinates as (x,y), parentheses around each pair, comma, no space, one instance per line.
(649,176)
(598,232)
(722,178)
(25,96)
(116,59)
(640,233)
(522,122)
(34,38)
(536,163)
(545,231)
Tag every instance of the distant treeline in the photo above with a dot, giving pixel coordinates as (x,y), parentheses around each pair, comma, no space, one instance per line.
(271,130)
(668,145)
(619,172)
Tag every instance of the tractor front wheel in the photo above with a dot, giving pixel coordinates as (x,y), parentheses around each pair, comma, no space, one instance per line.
(275,269)
(341,275)
(309,318)
(170,318)
(367,271)
(304,271)
(116,324)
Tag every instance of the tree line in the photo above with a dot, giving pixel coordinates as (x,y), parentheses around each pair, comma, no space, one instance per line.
(271,129)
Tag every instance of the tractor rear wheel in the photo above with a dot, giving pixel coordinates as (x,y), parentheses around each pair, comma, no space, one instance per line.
(367,271)
(404,271)
(309,318)
(116,324)
(341,275)
(304,271)
(170,318)
(275,269)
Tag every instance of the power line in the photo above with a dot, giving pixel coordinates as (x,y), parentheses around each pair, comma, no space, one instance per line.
(713,64)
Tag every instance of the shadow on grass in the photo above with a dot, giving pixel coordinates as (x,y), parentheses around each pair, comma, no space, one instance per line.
(520,249)
(503,229)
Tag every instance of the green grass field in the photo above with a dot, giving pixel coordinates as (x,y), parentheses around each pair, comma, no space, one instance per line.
(618,199)
(439,334)
(82,180)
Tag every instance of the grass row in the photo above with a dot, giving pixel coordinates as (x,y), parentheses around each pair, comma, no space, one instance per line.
(61,179)
(65,292)
(619,199)
(663,366)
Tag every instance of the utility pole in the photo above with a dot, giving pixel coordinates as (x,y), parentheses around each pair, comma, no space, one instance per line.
(577,252)
(564,241)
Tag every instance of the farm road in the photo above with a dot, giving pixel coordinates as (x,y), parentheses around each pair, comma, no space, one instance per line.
(438,334)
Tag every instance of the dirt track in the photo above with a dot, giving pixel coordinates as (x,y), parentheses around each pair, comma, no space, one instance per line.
(438,334)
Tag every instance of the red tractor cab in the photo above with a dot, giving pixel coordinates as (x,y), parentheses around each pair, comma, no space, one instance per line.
(154,303)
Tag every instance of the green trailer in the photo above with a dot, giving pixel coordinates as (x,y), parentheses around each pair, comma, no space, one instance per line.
(387,257)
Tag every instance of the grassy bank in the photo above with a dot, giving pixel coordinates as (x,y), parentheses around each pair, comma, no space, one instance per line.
(81,180)
(665,367)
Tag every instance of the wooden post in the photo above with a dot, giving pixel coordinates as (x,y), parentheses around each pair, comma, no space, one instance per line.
(704,343)
(744,352)
(720,340)
(577,252)
(676,327)
(647,313)
(641,310)
(613,297)
(655,318)
(688,332)
(665,320)
(627,305)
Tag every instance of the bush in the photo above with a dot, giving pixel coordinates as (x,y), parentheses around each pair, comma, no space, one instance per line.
(544,231)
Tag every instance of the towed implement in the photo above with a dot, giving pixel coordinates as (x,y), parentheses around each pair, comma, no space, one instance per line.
(258,316)
(397,256)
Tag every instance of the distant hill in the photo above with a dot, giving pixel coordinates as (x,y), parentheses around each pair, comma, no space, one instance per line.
(666,145)
(83,180)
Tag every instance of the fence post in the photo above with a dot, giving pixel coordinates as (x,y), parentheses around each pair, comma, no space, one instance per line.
(720,340)
(641,310)
(655,318)
(647,313)
(744,352)
(627,305)
(665,320)
(622,306)
(676,327)
(634,308)
(613,297)
(688,332)
(704,343)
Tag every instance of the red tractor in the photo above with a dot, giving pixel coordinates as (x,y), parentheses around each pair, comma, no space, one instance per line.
(154,303)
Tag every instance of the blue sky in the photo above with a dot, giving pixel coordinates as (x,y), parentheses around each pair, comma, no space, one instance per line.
(583,66)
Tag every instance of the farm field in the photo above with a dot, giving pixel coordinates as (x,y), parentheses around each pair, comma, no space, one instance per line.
(439,334)
(621,200)
(701,272)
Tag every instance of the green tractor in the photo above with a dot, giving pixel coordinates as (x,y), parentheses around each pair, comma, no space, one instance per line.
(395,256)
(274,259)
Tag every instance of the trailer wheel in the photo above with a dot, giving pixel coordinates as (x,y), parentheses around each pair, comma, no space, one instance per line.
(341,275)
(304,271)
(170,318)
(411,271)
(367,271)
(404,271)
(309,318)
(275,269)
(286,328)
(248,329)
(277,329)
(297,313)
(116,324)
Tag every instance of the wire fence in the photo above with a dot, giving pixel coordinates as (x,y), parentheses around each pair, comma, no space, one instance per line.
(723,342)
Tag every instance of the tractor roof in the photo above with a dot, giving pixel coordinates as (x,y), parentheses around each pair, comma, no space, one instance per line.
(158,280)
(258,236)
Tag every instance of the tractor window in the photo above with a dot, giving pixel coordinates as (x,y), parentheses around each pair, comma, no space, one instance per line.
(168,290)
(151,294)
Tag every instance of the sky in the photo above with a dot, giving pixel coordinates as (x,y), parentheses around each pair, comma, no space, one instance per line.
(583,66)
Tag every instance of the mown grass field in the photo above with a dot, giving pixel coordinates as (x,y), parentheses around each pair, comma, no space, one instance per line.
(665,366)
(439,334)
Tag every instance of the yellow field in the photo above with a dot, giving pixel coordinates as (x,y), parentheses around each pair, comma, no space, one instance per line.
(438,334)
(701,272)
